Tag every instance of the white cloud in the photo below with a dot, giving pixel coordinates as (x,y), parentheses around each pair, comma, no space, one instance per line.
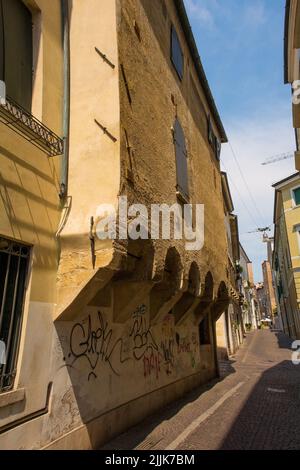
(201,12)
(253,141)
(255,14)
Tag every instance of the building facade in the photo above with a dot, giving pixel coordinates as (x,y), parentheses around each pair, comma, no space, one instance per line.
(269,290)
(229,327)
(101,331)
(292,65)
(249,303)
(261,299)
(286,256)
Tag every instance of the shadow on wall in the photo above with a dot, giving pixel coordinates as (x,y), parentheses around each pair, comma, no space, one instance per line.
(26,203)
(122,367)
(137,434)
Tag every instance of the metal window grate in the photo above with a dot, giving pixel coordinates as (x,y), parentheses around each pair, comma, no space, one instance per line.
(14,259)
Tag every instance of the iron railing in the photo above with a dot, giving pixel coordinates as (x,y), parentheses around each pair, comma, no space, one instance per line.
(29,127)
(14,260)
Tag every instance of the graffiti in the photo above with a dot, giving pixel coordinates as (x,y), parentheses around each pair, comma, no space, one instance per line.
(185,345)
(140,310)
(152,362)
(94,341)
(143,340)
(96,344)
(167,348)
(167,344)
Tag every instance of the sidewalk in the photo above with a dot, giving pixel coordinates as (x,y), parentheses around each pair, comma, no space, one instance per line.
(255,405)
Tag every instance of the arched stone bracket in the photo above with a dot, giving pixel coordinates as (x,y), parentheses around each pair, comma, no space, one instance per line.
(206,299)
(167,291)
(126,296)
(85,292)
(189,299)
(221,302)
(120,285)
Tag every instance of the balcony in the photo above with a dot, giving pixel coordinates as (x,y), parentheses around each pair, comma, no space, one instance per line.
(30,128)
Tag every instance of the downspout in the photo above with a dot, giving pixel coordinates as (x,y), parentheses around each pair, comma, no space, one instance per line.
(66,105)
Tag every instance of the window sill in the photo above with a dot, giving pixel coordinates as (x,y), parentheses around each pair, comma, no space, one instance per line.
(11,397)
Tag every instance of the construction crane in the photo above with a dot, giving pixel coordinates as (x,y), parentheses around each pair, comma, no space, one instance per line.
(263,230)
(278,158)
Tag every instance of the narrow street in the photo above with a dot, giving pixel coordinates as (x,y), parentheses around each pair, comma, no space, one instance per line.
(255,405)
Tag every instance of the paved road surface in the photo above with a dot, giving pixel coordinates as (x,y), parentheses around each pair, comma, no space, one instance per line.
(255,405)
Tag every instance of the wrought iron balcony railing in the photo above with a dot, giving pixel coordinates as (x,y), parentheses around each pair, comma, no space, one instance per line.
(26,125)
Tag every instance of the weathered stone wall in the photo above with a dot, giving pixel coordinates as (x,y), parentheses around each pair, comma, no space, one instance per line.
(156,97)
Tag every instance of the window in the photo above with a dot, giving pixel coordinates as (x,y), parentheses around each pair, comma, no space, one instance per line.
(218,149)
(210,135)
(176,53)
(16,51)
(296,196)
(13,269)
(204,334)
(213,140)
(181,161)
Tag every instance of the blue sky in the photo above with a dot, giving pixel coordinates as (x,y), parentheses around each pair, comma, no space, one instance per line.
(241,46)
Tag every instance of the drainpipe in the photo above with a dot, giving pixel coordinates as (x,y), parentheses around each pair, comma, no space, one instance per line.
(66,106)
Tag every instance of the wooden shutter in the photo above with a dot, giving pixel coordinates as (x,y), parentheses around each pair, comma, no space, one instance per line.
(218,149)
(176,53)
(18,52)
(181,159)
(209,130)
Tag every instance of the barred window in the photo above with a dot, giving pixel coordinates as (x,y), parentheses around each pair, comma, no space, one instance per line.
(176,53)
(14,259)
(181,160)
(16,51)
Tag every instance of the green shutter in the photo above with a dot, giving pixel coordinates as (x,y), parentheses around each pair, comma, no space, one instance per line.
(297,196)
(18,52)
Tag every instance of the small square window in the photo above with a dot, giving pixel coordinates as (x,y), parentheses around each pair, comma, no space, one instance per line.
(176,53)
(296,194)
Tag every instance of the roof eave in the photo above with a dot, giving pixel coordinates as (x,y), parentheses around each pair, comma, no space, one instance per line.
(199,67)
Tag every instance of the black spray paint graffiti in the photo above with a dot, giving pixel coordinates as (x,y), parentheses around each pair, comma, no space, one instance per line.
(143,340)
(167,349)
(95,344)
(93,341)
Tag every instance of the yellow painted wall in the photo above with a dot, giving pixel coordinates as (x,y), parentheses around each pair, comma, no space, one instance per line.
(30,210)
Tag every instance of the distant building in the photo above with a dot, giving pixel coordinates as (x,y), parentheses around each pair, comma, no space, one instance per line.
(261,299)
(269,289)
(286,256)
(247,291)
(229,327)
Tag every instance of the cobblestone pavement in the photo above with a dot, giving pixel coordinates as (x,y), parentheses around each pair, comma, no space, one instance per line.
(255,405)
